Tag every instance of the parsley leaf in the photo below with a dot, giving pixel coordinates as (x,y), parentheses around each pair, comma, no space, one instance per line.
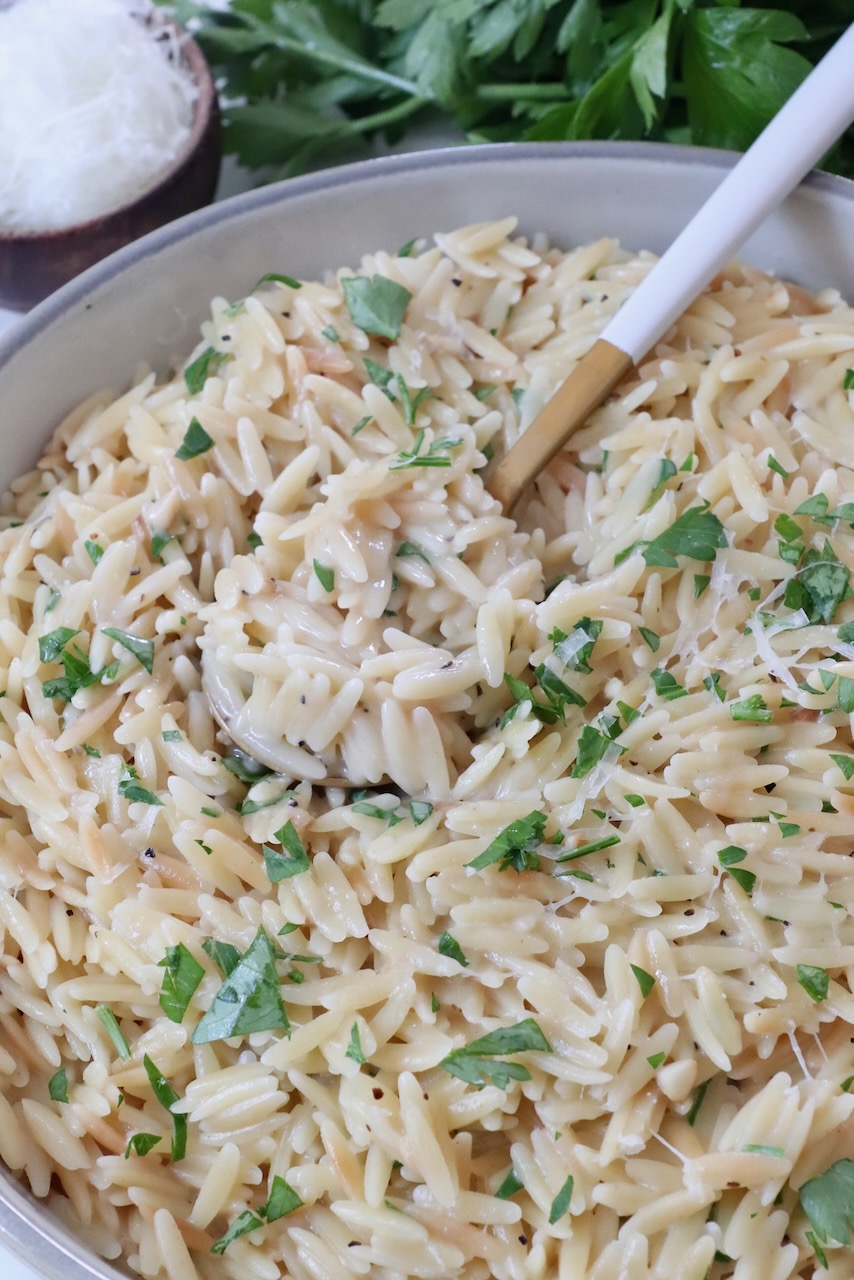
(196,441)
(94,550)
(575,649)
(697,533)
(475,1062)
(509,1186)
(650,638)
(143,650)
(645,980)
(592,846)
(420,811)
(281,866)
(325,576)
(845,763)
(108,1021)
(448,946)
(666,685)
(828,1202)
(754,708)
(376,305)
(593,743)
(132,790)
(167,1097)
(249,1000)
(244,767)
(225,956)
(57,1085)
(282,1200)
(354,1048)
(516,846)
(244,1223)
(820,584)
(182,977)
(560,1204)
(203,367)
(52,644)
(141,1143)
(814,981)
(158,542)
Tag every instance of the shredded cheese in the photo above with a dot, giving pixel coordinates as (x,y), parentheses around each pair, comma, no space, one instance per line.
(94,106)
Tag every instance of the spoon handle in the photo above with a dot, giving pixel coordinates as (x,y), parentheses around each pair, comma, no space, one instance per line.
(798,135)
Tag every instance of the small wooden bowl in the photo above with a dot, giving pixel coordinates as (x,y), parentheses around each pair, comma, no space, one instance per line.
(34,264)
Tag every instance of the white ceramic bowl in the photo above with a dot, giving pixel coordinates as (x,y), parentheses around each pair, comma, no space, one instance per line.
(145,303)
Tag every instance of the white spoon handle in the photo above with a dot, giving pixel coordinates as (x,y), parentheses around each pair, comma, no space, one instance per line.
(797,137)
(801,132)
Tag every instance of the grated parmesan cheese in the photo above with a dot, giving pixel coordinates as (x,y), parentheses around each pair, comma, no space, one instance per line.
(94,107)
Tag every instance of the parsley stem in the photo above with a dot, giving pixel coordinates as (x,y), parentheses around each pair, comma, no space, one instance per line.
(406,107)
(352,66)
(513,92)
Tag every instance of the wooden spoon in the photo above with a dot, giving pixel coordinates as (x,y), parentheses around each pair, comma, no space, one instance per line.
(798,136)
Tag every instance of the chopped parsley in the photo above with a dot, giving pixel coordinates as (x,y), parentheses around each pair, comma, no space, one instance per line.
(78,673)
(171,735)
(245,767)
(650,638)
(713,684)
(655,1060)
(330,333)
(516,846)
(158,542)
(361,424)
(254,540)
(411,403)
(574,650)
(476,1063)
(412,550)
(701,582)
(645,980)
(845,763)
(666,685)
(759,1149)
(509,1186)
(420,811)
(249,1000)
(273,277)
(696,1104)
(376,304)
(592,846)
(593,743)
(167,1097)
(325,576)
(697,533)
(57,1086)
(828,1202)
(819,585)
(774,465)
(448,946)
(281,866)
(142,650)
(282,1200)
(436,455)
(754,709)
(132,789)
(729,858)
(203,367)
(558,695)
(93,550)
(560,1204)
(814,981)
(141,1143)
(483,393)
(354,1048)
(182,975)
(196,442)
(108,1021)
(52,644)
(225,956)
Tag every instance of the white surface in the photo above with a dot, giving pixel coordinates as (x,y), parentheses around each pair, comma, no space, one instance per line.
(796,139)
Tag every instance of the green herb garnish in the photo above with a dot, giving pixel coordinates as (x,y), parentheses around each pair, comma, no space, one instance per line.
(560,1204)
(167,1097)
(141,1143)
(828,1202)
(448,946)
(516,846)
(697,533)
(183,973)
(354,1048)
(249,1000)
(814,981)
(132,790)
(142,650)
(57,1086)
(509,1186)
(376,304)
(475,1063)
(108,1021)
(199,370)
(666,686)
(755,709)
(196,441)
(281,866)
(325,576)
(645,980)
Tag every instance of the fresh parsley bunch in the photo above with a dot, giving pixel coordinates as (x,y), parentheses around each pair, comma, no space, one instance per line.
(306,79)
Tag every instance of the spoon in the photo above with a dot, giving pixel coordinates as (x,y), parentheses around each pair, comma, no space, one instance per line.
(801,132)
(794,140)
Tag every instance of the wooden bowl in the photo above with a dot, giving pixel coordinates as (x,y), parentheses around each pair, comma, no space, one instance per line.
(34,264)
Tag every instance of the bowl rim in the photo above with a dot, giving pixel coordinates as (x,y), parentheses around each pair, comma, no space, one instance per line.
(70,295)
(28,1228)
(204,109)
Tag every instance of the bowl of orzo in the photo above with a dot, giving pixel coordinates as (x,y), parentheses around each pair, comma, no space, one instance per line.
(389,887)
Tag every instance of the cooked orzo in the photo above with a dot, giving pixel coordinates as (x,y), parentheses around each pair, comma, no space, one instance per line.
(554,979)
